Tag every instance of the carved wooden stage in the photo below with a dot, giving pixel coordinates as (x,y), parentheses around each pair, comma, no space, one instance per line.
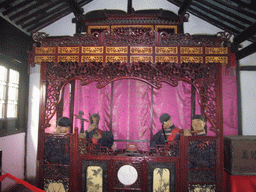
(186,165)
(166,168)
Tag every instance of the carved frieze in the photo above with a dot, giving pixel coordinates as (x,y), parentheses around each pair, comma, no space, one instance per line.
(134,35)
(92,50)
(191,50)
(191,59)
(45,50)
(66,58)
(166,50)
(216,50)
(117,50)
(171,59)
(68,50)
(141,50)
(92,58)
(116,59)
(40,59)
(214,59)
(141,59)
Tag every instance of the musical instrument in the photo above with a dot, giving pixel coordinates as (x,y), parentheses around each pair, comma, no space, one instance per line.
(79,116)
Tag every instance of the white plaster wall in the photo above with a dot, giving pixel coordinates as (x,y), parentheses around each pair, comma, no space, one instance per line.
(13,150)
(248,90)
(33,120)
(248,93)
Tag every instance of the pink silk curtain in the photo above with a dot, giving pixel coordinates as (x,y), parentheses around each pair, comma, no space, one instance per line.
(229,95)
(136,108)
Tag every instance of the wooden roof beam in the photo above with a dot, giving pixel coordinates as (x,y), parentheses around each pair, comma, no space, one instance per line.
(246,34)
(183,8)
(129,7)
(250,49)
(250,5)
(75,7)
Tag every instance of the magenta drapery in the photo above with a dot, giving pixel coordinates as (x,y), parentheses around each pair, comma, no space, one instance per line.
(91,100)
(136,107)
(131,112)
(229,94)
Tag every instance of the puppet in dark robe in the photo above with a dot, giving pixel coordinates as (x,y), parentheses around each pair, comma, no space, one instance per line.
(201,152)
(97,136)
(167,134)
(57,148)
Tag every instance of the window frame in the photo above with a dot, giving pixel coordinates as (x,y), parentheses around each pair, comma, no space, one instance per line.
(10,126)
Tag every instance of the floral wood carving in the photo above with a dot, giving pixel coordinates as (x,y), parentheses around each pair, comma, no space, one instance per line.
(134,36)
(201,76)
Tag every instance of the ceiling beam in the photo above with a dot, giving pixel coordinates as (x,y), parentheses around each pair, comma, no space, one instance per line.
(16,7)
(44,18)
(250,49)
(75,7)
(246,5)
(129,7)
(21,12)
(42,12)
(246,34)
(183,8)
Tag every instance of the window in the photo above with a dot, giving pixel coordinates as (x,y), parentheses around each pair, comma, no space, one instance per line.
(13,95)
(9,89)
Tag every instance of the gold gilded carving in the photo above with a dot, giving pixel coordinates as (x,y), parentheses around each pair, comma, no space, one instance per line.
(68,58)
(222,60)
(98,27)
(141,50)
(125,26)
(142,59)
(92,50)
(166,50)
(167,59)
(116,59)
(191,50)
(45,50)
(68,50)
(39,59)
(187,59)
(216,50)
(116,50)
(92,59)
(166,27)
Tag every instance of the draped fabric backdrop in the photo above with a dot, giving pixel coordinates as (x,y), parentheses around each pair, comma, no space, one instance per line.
(131,108)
